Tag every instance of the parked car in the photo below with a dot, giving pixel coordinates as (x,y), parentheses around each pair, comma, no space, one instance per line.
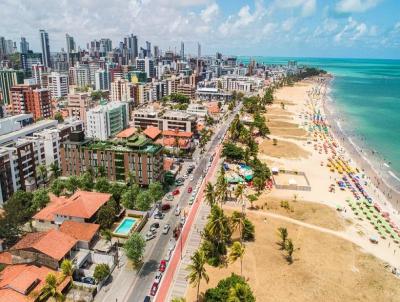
(190,189)
(191,178)
(170,197)
(154,226)
(154,288)
(149,235)
(88,280)
(158,215)
(165,207)
(177,211)
(147,299)
(168,257)
(163,266)
(191,200)
(183,219)
(158,277)
(166,229)
(176,192)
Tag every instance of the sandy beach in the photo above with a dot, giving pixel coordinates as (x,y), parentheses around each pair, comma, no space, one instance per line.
(329,219)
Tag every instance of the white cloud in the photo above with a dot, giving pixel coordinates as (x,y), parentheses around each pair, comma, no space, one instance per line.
(209,13)
(354,30)
(355,6)
(269,28)
(308,7)
(288,24)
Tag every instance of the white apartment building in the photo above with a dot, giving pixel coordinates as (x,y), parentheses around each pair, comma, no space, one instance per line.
(197,109)
(122,90)
(58,84)
(101,80)
(105,121)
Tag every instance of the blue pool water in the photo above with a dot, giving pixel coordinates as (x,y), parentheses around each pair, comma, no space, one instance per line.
(125,226)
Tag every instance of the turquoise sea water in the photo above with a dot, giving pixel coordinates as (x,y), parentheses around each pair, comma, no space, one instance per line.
(367,94)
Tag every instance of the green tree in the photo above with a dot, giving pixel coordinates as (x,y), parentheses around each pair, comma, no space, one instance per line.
(58,116)
(117,190)
(107,235)
(259,184)
(248,230)
(86,181)
(210,194)
(67,268)
(176,299)
(128,198)
(40,199)
(289,248)
(143,201)
(283,235)
(134,248)
(106,216)
(49,290)
(55,169)
(222,291)
(101,272)
(102,185)
(72,184)
(240,293)
(156,191)
(237,222)
(232,152)
(239,192)
(197,270)
(41,172)
(101,171)
(221,188)
(237,252)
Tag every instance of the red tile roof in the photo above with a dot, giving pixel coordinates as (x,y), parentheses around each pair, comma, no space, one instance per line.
(48,213)
(213,108)
(18,281)
(168,162)
(53,243)
(84,204)
(170,142)
(80,230)
(177,133)
(152,132)
(5,258)
(126,133)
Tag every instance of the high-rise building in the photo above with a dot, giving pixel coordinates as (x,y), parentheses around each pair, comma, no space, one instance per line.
(9,78)
(78,103)
(156,51)
(102,82)
(29,59)
(198,50)
(45,44)
(105,121)
(105,46)
(70,45)
(58,84)
(182,51)
(146,65)
(24,45)
(132,47)
(81,75)
(148,49)
(31,99)
(38,70)
(3,47)
(122,90)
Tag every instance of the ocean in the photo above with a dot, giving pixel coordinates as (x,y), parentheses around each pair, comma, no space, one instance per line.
(366,94)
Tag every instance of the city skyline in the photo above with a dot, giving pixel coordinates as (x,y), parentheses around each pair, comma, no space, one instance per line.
(309,28)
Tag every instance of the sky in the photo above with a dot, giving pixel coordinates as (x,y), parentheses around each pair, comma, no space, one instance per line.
(300,28)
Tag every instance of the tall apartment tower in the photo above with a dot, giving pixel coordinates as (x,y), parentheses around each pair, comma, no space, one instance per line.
(148,49)
(198,50)
(24,45)
(182,51)
(132,46)
(70,45)
(44,42)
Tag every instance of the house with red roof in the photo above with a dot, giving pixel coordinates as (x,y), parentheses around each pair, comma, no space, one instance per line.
(152,132)
(85,233)
(19,282)
(44,248)
(83,206)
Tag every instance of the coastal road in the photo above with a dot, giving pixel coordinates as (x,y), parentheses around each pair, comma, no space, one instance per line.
(158,247)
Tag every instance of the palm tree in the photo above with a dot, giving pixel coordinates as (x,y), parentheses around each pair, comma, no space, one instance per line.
(283,234)
(197,270)
(237,222)
(55,169)
(218,226)
(240,293)
(210,194)
(41,171)
(67,268)
(50,290)
(289,247)
(237,252)
(239,192)
(107,235)
(221,187)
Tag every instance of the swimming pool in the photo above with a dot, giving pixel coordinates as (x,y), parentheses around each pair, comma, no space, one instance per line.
(125,226)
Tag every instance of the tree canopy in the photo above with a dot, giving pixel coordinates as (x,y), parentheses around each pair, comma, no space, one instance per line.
(134,247)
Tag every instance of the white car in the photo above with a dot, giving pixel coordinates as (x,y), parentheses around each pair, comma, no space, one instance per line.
(191,178)
(158,277)
(177,211)
(149,236)
(183,219)
(166,229)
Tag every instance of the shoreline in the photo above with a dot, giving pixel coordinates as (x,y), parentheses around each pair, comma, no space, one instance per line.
(352,149)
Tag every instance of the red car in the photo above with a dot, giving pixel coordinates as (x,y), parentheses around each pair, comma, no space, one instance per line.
(190,189)
(176,192)
(154,288)
(163,266)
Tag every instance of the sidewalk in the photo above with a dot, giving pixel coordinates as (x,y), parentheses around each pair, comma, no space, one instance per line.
(179,283)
